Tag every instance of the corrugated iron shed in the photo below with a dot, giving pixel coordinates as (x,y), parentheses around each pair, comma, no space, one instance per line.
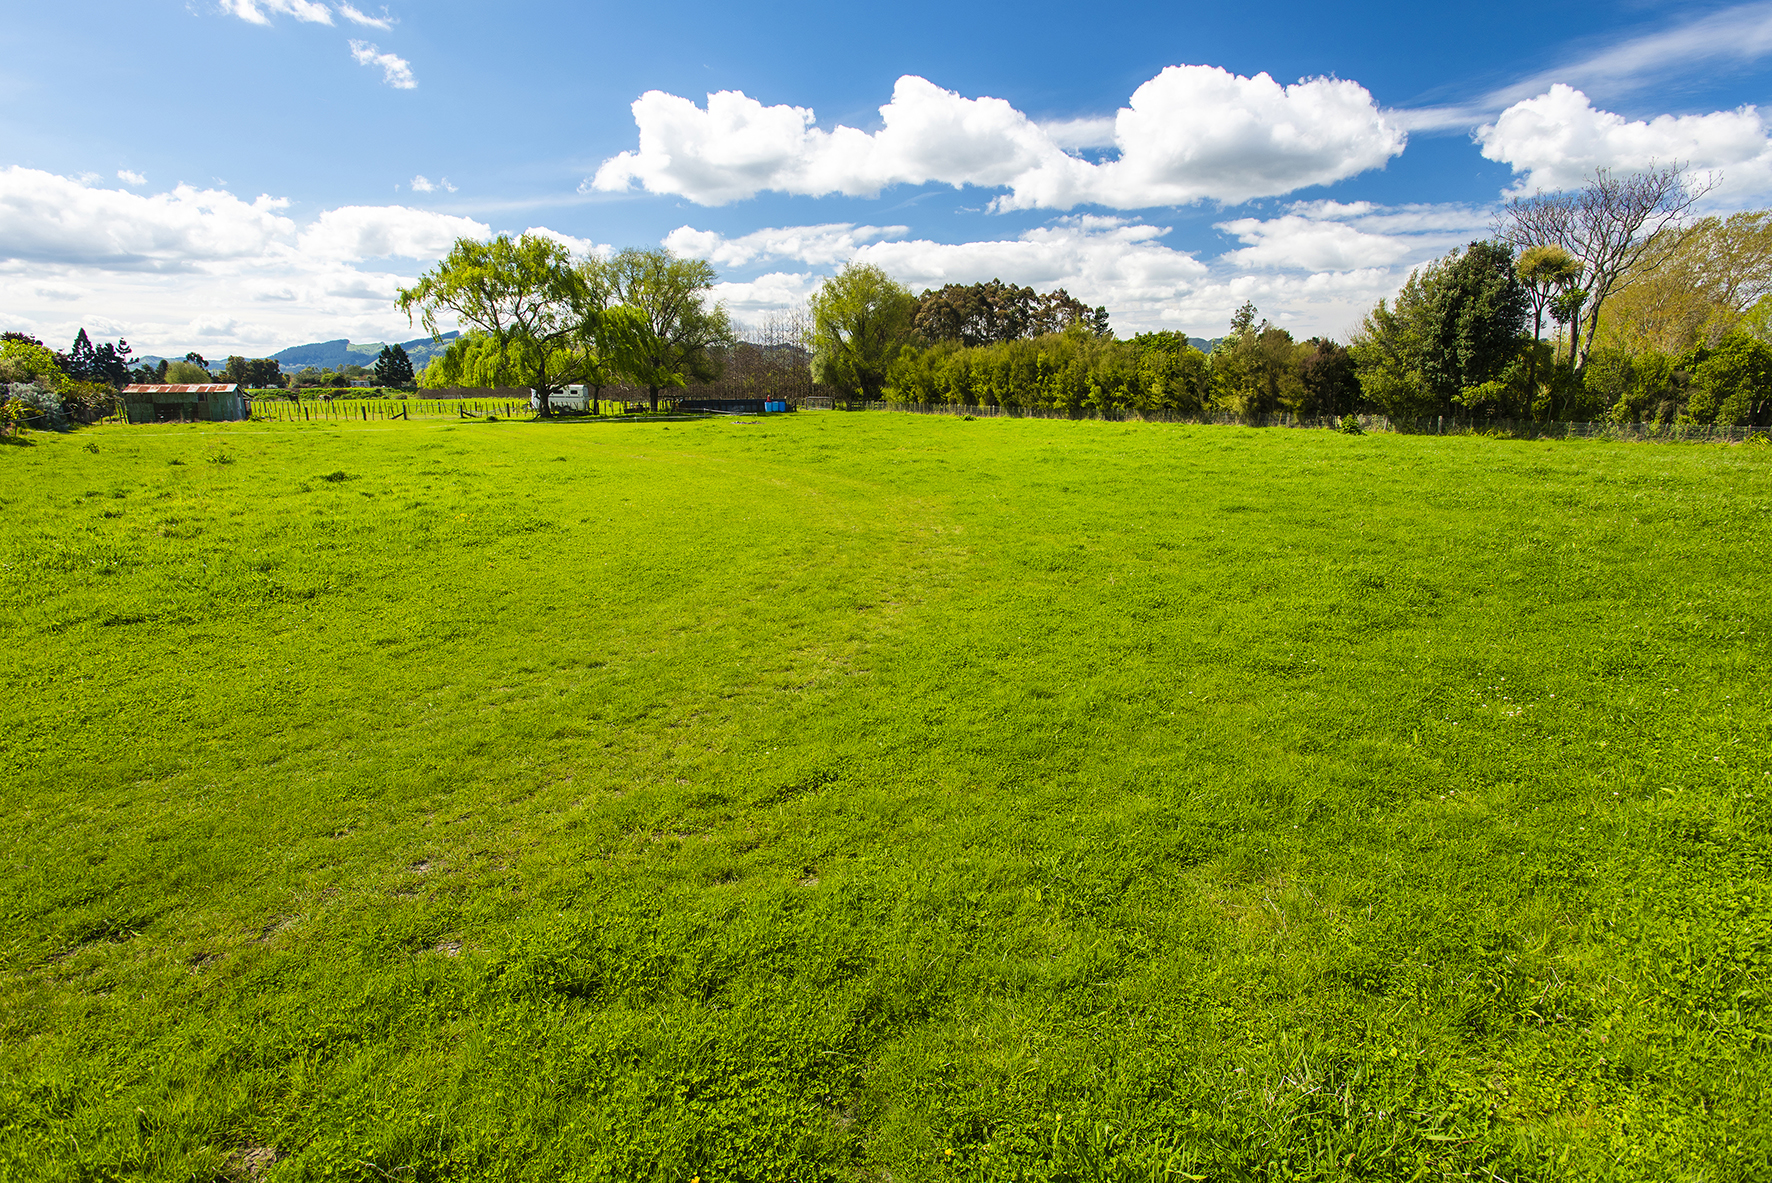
(185,388)
(186,402)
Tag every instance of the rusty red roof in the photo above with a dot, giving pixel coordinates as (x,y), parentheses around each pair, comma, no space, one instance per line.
(188,388)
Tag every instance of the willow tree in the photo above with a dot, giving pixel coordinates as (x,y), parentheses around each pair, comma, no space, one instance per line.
(668,333)
(861,321)
(522,301)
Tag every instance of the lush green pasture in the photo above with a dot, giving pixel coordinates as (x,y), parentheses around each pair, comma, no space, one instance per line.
(882,797)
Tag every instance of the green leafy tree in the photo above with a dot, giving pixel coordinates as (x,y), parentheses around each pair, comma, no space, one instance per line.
(1255,369)
(1733,383)
(393,368)
(1479,315)
(254,373)
(1449,338)
(186,373)
(608,333)
(522,295)
(670,334)
(1330,386)
(1173,375)
(861,320)
(25,359)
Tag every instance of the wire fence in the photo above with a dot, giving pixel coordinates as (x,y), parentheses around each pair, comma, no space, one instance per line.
(1525,429)
(364,410)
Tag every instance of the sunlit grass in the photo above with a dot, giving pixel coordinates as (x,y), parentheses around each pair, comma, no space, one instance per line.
(832,795)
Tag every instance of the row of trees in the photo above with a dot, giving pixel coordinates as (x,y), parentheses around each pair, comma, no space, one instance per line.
(996,312)
(1652,315)
(994,344)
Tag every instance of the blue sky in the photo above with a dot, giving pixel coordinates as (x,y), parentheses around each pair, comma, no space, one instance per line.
(238,176)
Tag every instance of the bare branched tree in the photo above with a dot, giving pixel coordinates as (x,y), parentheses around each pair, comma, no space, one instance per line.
(772,357)
(1612,227)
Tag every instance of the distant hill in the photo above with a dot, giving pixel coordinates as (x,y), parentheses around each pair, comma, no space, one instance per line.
(330,355)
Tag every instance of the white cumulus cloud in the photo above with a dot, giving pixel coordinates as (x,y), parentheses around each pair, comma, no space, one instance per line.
(816,245)
(353,232)
(582,247)
(1193,133)
(49,218)
(778,290)
(1336,236)
(396,71)
(131,178)
(1100,260)
(423,184)
(1200,133)
(1315,268)
(164,269)
(1557,139)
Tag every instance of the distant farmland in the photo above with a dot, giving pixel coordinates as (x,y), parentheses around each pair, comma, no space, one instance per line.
(863,796)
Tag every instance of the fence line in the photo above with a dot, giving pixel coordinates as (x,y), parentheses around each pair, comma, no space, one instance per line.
(1430,425)
(277,410)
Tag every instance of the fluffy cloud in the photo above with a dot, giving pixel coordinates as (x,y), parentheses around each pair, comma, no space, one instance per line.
(817,245)
(581,247)
(1557,139)
(754,299)
(166,269)
(423,184)
(48,218)
(1333,236)
(1099,260)
(1199,133)
(131,178)
(396,71)
(1193,133)
(1315,268)
(353,232)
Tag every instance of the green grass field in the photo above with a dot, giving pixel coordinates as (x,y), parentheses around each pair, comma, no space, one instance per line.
(882,797)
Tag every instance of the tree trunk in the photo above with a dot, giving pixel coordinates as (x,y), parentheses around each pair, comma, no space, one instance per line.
(1532,360)
(652,391)
(541,390)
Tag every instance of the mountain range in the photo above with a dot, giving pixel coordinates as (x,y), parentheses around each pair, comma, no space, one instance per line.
(330,355)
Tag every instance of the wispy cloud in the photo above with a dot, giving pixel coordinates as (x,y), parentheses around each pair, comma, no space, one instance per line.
(1733,35)
(423,184)
(396,70)
(356,16)
(1738,35)
(258,11)
(131,178)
